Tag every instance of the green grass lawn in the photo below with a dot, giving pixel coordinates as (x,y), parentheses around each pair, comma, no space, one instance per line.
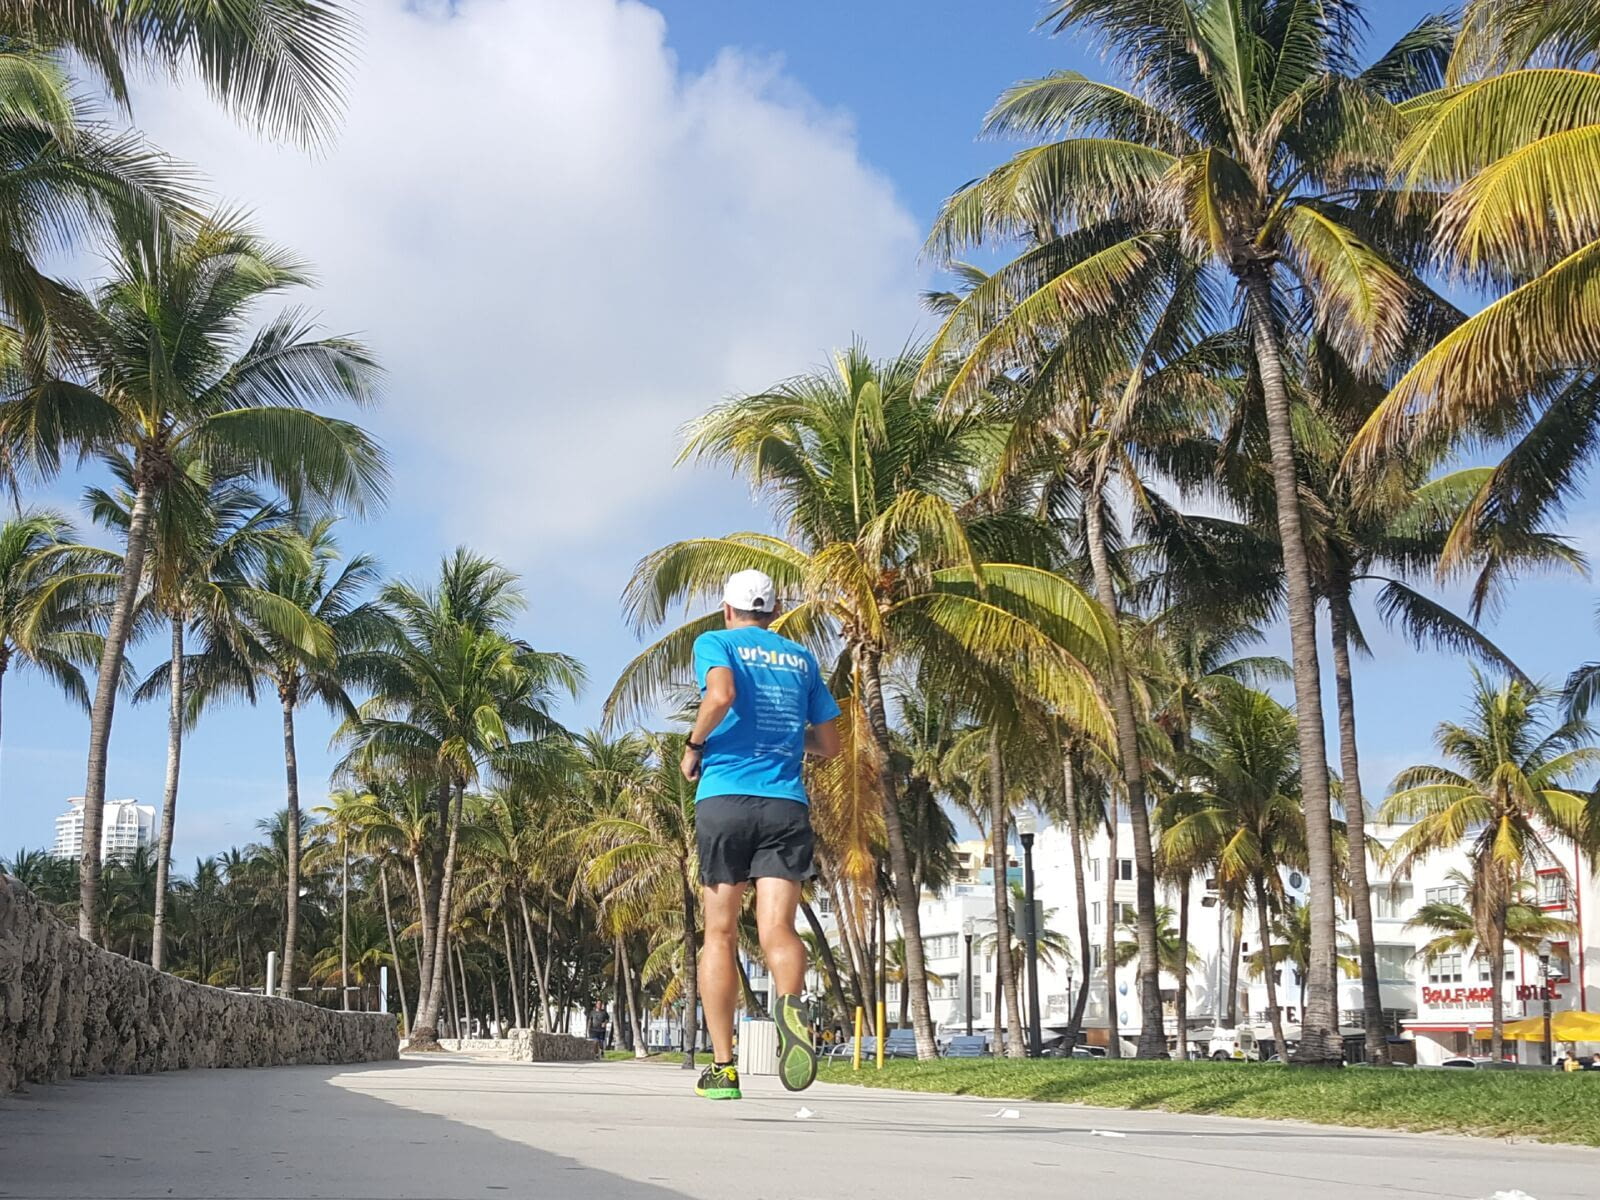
(1548,1107)
(675,1058)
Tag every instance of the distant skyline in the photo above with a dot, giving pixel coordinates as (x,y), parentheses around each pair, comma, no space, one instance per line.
(569,226)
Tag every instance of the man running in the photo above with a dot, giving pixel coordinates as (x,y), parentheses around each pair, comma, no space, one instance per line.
(764,707)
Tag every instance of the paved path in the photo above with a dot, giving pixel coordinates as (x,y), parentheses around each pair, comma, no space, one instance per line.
(458,1129)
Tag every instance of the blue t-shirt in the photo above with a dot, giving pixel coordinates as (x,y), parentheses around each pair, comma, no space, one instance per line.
(759,748)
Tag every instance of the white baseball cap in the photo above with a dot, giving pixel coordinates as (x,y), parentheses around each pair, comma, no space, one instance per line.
(750,591)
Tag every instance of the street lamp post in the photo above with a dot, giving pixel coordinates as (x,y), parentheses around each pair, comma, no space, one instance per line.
(967,928)
(1026,826)
(1544,993)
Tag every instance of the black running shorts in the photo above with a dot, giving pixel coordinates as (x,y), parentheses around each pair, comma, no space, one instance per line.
(752,837)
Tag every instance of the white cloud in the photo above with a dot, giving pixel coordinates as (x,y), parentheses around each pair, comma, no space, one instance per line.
(563,246)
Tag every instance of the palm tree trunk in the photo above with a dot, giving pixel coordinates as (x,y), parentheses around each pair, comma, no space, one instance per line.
(1181,1000)
(291,767)
(907,898)
(511,971)
(344,923)
(1320,1042)
(394,946)
(1152,1022)
(1113,1022)
(169,797)
(1497,994)
(825,953)
(427,912)
(541,1019)
(453,1002)
(105,699)
(426,1035)
(751,1004)
(466,991)
(641,1034)
(1233,969)
(999,828)
(1269,971)
(691,972)
(1355,816)
(1069,787)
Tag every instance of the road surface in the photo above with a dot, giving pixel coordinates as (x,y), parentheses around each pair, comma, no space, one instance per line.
(449,1128)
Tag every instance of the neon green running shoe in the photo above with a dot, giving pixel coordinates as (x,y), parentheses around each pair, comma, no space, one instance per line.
(797,1058)
(719,1083)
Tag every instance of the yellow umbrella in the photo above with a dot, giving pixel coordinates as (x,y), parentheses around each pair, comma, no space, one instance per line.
(1564,1027)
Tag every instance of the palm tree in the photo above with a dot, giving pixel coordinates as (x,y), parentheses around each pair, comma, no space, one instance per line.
(205,535)
(1247,819)
(304,619)
(1055,949)
(1499,161)
(167,382)
(50,593)
(451,693)
(1455,927)
(1176,956)
(643,862)
(1291,943)
(1504,798)
(888,558)
(1248,140)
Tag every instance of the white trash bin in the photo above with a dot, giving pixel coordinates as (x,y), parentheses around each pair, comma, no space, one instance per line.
(758,1047)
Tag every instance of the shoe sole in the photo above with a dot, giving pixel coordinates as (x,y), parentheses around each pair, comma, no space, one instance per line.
(720,1093)
(797,1059)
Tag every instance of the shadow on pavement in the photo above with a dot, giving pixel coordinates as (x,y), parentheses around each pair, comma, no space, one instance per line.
(286,1133)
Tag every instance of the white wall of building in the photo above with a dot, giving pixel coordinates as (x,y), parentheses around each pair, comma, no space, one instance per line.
(1431,1005)
(126,826)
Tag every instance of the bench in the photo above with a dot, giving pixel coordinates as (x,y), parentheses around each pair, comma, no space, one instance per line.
(902,1043)
(973,1046)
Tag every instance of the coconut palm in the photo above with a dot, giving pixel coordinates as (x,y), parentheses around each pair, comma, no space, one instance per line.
(1177,957)
(279,64)
(306,617)
(1500,161)
(887,557)
(51,593)
(1055,948)
(1246,817)
(1504,799)
(1455,927)
(455,699)
(169,377)
(1291,943)
(205,536)
(643,862)
(1247,138)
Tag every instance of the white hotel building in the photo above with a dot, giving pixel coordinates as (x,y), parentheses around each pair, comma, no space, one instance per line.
(126,826)
(1439,1005)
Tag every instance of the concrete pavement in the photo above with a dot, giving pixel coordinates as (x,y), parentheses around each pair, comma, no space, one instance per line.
(449,1128)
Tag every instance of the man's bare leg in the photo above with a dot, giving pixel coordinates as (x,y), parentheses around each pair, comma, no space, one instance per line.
(777,900)
(719,968)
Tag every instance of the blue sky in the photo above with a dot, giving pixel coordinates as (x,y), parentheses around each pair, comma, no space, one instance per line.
(569,225)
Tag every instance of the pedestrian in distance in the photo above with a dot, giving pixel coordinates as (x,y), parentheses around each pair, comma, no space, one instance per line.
(599,1025)
(764,706)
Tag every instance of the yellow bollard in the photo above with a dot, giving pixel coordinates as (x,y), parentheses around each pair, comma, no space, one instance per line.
(882,1031)
(855,1058)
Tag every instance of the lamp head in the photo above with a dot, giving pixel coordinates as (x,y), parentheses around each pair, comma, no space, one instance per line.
(968,926)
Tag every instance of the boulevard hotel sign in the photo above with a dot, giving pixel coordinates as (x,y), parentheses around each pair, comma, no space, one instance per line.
(1482,997)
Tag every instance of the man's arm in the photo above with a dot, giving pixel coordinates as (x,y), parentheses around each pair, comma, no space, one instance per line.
(714,706)
(823,740)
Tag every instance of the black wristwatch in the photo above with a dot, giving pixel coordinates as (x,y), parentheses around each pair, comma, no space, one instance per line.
(697,747)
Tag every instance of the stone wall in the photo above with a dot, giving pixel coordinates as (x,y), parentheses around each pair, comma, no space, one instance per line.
(525,1045)
(68,1009)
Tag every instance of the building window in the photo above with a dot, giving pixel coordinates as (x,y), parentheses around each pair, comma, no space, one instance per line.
(1125,913)
(1097,912)
(942,946)
(1391,903)
(1508,968)
(1394,962)
(1094,866)
(1552,890)
(988,1002)
(1454,894)
(1446,968)
(1094,958)
(1125,869)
